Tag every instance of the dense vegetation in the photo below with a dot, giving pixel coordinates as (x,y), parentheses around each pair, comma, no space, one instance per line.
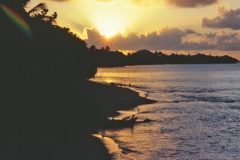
(106,58)
(52,55)
(39,69)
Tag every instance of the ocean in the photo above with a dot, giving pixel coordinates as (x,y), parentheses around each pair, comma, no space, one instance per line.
(197,114)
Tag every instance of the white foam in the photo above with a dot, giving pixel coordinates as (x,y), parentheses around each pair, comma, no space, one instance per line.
(112,147)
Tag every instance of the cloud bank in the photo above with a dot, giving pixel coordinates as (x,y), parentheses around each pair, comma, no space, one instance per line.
(224,19)
(190,3)
(177,3)
(167,39)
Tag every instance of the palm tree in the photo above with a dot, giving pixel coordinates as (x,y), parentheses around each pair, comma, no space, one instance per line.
(40,11)
(41,8)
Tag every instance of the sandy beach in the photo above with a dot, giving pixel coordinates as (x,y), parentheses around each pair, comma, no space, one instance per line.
(109,99)
(61,126)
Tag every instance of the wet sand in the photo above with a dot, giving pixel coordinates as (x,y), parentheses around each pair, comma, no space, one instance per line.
(110,98)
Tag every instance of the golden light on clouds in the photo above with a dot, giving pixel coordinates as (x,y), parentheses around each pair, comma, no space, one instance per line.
(132,24)
(109,22)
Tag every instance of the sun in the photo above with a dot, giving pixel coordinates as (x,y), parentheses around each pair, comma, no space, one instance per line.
(108,35)
(108,24)
(108,30)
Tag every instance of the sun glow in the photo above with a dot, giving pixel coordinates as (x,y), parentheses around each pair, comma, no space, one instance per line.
(109,22)
(107,32)
(108,28)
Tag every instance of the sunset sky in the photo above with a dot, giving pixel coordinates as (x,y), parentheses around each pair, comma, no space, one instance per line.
(178,26)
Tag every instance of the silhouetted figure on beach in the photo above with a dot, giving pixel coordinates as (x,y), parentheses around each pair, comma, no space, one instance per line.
(133,119)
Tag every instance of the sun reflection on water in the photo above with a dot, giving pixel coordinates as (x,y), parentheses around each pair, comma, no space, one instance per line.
(144,141)
(112,147)
(196,117)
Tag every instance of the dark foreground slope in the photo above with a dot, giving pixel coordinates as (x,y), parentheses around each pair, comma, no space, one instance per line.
(55,125)
(58,125)
(41,115)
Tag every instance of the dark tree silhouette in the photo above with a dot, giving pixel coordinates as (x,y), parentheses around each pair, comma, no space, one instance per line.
(41,8)
(107,48)
(107,58)
(40,12)
(37,77)
(93,48)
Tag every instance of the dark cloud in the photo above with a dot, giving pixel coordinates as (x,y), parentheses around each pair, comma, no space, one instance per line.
(191,3)
(167,39)
(190,31)
(178,3)
(225,19)
(220,40)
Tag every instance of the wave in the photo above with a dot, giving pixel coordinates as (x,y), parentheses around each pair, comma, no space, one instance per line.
(198,90)
(211,99)
(234,107)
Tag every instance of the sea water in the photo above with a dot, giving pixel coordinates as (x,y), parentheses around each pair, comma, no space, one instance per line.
(197,115)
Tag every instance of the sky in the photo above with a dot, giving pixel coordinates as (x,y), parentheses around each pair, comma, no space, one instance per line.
(171,26)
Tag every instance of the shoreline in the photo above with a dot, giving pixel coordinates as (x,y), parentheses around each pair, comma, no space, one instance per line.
(59,124)
(112,101)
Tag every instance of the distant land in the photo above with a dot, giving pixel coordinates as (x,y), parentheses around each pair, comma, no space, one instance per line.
(105,58)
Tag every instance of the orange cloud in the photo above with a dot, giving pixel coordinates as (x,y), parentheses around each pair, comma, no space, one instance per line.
(168,39)
(225,19)
(191,3)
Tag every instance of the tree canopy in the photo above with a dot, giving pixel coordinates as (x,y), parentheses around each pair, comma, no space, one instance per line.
(46,62)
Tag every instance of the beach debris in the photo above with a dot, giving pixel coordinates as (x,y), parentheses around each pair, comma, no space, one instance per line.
(128,121)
